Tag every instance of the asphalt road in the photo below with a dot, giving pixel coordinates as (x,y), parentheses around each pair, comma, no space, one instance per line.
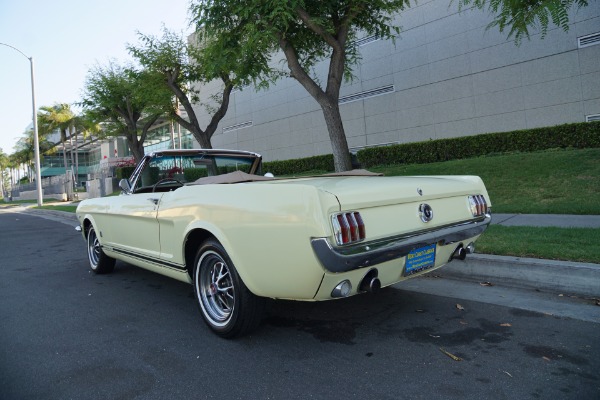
(66,333)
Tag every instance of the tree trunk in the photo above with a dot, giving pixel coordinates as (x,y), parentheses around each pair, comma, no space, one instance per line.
(328,99)
(137,149)
(76,158)
(342,160)
(203,137)
(135,145)
(63,139)
(72,155)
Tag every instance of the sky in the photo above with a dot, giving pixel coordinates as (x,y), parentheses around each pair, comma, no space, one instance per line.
(66,38)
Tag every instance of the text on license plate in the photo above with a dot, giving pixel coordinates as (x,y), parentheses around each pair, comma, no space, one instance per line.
(420,259)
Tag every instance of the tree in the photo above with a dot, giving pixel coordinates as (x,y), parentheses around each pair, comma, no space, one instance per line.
(518,16)
(14,168)
(4,165)
(25,151)
(310,31)
(179,64)
(126,100)
(59,116)
(85,125)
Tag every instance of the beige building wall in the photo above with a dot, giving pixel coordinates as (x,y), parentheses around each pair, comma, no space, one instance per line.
(446,76)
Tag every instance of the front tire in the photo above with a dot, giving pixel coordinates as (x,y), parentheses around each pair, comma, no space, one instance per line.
(227,306)
(100,263)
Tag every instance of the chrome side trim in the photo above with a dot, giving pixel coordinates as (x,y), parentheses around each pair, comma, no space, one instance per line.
(145,258)
(368,254)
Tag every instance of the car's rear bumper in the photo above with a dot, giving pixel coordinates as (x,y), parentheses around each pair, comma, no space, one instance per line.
(368,254)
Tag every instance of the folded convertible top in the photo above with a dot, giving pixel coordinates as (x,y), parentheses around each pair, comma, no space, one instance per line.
(241,177)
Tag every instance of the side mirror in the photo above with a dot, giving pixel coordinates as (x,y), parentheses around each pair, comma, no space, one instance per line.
(124,185)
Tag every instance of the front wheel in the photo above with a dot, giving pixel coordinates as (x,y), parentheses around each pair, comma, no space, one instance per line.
(100,263)
(227,306)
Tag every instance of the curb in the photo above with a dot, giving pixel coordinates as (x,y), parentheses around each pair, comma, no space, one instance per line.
(68,216)
(566,277)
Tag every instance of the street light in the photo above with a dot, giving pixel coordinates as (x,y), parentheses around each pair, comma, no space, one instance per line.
(36,140)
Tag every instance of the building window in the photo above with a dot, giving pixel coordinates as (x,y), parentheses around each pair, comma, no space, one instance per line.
(588,40)
(593,117)
(235,127)
(366,40)
(366,94)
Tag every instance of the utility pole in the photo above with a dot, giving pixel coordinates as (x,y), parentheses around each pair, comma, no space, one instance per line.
(36,139)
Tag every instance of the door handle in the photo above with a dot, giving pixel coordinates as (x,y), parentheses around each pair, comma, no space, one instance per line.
(155,201)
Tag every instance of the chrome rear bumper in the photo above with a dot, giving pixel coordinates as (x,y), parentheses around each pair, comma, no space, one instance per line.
(368,254)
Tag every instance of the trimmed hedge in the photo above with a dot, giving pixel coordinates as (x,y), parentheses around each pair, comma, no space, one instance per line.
(579,135)
(297,165)
(124,172)
(192,174)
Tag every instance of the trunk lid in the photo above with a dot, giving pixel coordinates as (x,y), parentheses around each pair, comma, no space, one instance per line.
(390,205)
(364,192)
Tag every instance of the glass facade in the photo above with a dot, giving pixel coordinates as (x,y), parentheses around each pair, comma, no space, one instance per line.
(57,160)
(89,162)
(159,138)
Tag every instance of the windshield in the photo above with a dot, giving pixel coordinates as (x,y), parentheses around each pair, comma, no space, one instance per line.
(180,169)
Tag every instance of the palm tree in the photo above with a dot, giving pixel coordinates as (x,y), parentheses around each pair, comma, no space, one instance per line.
(88,127)
(4,162)
(13,166)
(59,116)
(25,151)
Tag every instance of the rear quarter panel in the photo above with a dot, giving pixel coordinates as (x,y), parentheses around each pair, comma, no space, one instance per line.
(265,229)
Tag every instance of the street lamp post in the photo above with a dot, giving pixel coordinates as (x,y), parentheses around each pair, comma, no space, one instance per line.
(36,140)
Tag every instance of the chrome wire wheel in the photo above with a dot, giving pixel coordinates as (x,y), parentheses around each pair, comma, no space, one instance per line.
(227,306)
(94,250)
(215,288)
(100,263)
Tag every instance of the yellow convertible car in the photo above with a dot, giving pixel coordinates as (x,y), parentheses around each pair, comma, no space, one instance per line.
(210,218)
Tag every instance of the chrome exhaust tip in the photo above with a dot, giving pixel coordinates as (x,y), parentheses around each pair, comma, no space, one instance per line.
(370,283)
(459,254)
(374,285)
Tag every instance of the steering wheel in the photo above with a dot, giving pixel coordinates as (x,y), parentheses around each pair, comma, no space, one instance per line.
(165,180)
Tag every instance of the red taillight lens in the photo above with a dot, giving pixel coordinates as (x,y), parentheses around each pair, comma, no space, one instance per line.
(361,226)
(344,229)
(348,227)
(478,205)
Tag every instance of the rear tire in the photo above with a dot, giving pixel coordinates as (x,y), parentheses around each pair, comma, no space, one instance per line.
(100,263)
(227,306)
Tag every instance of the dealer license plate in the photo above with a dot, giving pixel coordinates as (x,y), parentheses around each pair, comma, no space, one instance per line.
(420,259)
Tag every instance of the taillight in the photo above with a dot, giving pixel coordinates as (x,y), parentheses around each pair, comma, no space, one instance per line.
(348,227)
(478,205)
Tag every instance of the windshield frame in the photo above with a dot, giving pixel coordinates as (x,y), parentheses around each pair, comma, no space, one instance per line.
(254,159)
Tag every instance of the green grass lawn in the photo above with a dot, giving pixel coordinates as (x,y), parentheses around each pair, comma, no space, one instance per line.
(66,208)
(549,182)
(568,244)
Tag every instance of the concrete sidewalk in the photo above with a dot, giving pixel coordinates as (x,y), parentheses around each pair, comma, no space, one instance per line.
(573,278)
(544,220)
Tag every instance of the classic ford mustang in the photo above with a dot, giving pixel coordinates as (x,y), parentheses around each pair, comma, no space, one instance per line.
(209,218)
